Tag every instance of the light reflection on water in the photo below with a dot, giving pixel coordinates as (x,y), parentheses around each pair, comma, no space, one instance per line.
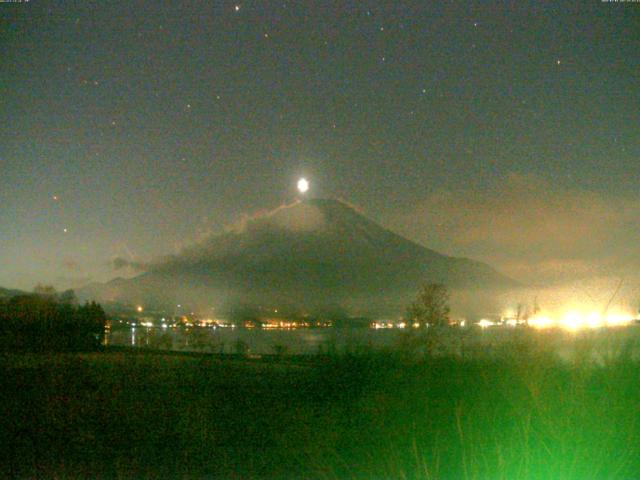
(602,344)
(239,340)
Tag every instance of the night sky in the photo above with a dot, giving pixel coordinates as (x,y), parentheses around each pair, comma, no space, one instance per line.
(504,131)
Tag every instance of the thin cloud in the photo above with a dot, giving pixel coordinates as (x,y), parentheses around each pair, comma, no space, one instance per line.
(530,228)
(71,264)
(119,263)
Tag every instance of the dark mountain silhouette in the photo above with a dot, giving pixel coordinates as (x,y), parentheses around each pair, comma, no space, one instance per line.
(315,254)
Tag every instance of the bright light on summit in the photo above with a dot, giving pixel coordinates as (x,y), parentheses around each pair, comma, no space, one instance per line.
(303,185)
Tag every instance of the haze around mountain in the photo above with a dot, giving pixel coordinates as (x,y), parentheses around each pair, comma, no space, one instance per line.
(315,255)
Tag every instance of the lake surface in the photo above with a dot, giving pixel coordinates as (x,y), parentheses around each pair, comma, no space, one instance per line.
(602,344)
(303,341)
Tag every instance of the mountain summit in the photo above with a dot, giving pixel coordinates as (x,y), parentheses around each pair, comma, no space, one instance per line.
(314,254)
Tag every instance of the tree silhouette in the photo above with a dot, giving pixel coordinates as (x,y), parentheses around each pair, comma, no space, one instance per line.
(50,322)
(431,306)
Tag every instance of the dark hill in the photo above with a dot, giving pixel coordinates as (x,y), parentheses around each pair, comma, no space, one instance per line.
(8,293)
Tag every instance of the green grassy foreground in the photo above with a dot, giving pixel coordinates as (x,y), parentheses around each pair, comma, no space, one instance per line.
(142,415)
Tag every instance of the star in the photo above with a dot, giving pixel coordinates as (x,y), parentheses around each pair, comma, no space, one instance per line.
(55,198)
(558,61)
(65,230)
(237,8)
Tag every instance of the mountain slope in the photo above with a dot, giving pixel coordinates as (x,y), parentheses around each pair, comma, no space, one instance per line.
(315,254)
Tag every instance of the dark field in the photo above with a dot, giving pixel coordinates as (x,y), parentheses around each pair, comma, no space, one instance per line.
(517,414)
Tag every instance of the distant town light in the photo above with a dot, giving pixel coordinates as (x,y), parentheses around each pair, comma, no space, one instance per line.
(484,323)
(139,308)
